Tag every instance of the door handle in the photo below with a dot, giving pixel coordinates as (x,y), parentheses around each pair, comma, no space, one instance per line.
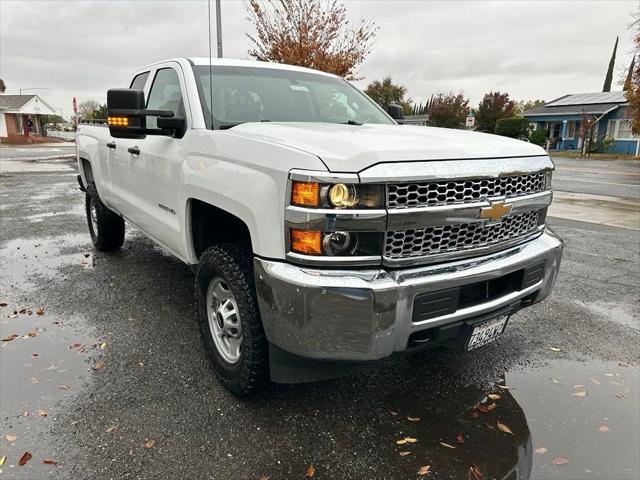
(111,144)
(134,150)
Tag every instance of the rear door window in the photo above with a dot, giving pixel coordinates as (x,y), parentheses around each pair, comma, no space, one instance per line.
(165,94)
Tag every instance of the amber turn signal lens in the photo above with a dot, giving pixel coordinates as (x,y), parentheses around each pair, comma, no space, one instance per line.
(306,241)
(305,194)
(118,121)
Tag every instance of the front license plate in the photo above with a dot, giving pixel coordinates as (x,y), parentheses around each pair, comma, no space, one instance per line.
(488,331)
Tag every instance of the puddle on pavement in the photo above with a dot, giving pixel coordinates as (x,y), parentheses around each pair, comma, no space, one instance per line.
(26,261)
(45,364)
(44,354)
(566,420)
(614,311)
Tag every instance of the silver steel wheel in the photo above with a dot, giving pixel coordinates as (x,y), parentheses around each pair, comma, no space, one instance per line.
(224,320)
(93,214)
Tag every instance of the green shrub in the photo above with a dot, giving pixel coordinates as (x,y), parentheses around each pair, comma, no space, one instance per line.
(539,137)
(601,145)
(514,127)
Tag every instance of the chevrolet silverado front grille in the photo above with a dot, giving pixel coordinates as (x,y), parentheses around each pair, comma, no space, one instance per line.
(455,237)
(429,194)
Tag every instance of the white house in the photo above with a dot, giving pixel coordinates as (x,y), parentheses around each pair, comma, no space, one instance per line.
(15,113)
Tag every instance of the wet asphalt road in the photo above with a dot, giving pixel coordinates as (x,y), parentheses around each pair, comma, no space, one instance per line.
(615,178)
(115,361)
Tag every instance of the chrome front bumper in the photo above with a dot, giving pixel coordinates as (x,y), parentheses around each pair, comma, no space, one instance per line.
(363,315)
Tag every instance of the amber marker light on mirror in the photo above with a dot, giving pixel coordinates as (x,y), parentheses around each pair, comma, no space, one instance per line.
(308,242)
(305,194)
(118,121)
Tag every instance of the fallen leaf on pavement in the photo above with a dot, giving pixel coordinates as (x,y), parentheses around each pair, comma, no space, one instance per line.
(103,345)
(555,381)
(393,413)
(10,337)
(24,414)
(48,461)
(555,349)
(475,473)
(582,393)
(404,440)
(493,396)
(31,334)
(112,428)
(26,456)
(504,387)
(404,454)
(413,419)
(460,438)
(424,470)
(487,408)
(576,387)
(603,428)
(541,450)
(608,374)
(3,304)
(621,396)
(10,438)
(595,381)
(503,428)
(64,387)
(446,445)
(311,471)
(35,355)
(2,460)
(98,366)
(264,477)
(40,311)
(42,413)
(560,461)
(149,444)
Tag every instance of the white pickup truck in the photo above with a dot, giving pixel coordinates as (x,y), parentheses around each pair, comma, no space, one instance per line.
(324,235)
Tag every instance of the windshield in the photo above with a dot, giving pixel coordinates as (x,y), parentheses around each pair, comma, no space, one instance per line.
(250,94)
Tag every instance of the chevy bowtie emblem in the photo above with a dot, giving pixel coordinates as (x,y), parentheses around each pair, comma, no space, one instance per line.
(496,211)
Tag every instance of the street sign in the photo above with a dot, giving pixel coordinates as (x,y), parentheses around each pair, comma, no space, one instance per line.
(471,121)
(75,105)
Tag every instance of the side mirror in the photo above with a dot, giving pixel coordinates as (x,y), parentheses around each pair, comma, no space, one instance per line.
(127,116)
(395,111)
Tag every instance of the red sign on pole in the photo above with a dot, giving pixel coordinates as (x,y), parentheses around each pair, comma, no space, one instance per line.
(75,105)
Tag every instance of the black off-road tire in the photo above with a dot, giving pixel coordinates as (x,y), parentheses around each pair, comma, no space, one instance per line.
(233,263)
(110,226)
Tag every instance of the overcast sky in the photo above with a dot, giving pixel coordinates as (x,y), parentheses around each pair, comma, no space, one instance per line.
(530,49)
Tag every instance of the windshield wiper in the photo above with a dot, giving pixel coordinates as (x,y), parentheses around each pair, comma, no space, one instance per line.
(351,122)
(227,126)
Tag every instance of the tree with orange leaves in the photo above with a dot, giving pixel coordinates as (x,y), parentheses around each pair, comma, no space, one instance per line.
(309,33)
(632,84)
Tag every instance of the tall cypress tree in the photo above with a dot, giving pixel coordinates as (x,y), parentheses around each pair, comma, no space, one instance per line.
(627,82)
(609,78)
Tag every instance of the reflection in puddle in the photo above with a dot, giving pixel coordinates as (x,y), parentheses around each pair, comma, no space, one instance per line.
(566,420)
(28,260)
(583,418)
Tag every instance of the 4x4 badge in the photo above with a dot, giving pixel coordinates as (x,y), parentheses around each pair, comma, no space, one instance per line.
(496,211)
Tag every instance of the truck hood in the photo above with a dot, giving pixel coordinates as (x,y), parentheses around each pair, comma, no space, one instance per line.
(352,148)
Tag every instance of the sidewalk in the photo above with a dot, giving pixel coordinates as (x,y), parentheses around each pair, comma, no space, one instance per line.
(600,209)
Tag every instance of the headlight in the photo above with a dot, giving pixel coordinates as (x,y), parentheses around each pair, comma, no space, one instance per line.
(335,244)
(343,196)
(337,195)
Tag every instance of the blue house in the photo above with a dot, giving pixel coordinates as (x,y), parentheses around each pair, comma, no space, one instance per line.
(561,120)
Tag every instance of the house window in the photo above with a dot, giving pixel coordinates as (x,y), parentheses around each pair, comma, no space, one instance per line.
(571,130)
(620,129)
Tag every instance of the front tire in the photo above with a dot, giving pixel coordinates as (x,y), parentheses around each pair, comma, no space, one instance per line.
(105,227)
(229,318)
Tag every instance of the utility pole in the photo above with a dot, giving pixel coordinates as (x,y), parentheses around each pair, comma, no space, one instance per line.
(219,28)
